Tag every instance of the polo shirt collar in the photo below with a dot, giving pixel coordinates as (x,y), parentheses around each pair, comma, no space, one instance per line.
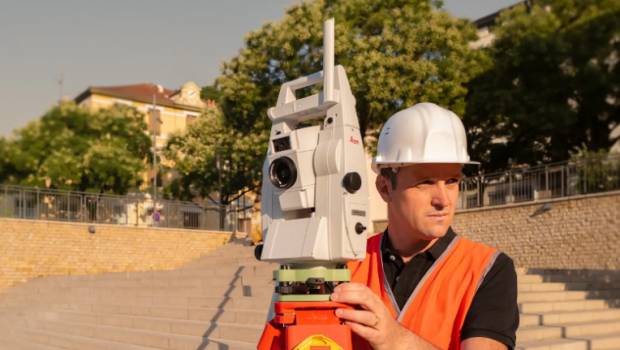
(433,252)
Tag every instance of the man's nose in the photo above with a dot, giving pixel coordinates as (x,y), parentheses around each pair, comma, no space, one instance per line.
(440,197)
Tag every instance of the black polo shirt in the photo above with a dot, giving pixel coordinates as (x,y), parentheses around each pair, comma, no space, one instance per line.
(493,313)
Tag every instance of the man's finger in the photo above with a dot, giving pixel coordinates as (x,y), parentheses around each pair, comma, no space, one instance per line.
(364,298)
(361,330)
(363,317)
(350,286)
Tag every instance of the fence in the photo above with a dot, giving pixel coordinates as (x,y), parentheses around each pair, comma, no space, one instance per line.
(569,178)
(139,209)
(513,186)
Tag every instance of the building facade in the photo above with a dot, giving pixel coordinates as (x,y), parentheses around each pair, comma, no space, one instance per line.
(175,110)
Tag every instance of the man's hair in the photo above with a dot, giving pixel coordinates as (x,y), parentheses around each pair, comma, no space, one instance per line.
(390,174)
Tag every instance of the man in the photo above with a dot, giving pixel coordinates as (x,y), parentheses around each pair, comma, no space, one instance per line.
(421,286)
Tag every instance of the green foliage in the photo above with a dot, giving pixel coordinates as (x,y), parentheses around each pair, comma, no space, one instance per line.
(215,160)
(72,148)
(6,167)
(553,86)
(209,92)
(597,170)
(396,53)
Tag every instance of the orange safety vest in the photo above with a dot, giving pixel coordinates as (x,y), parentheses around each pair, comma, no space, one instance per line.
(437,307)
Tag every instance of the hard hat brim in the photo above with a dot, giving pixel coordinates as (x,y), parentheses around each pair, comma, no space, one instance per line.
(468,167)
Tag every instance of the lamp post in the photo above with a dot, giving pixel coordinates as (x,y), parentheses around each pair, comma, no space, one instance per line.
(154,120)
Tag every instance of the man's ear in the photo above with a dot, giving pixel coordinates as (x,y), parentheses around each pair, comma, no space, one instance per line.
(384,187)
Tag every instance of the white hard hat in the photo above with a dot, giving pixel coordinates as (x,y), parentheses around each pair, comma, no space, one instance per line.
(424,133)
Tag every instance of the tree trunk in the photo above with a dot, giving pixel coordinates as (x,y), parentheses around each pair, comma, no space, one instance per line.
(222,211)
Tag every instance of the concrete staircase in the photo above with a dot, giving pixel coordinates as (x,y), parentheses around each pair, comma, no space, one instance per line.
(559,313)
(220,302)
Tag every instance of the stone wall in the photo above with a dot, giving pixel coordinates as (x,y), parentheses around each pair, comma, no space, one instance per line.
(31,248)
(567,233)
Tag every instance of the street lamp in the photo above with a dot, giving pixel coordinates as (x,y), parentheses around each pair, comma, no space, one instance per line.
(154,128)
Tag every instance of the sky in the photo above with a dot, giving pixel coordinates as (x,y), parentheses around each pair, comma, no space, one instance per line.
(92,43)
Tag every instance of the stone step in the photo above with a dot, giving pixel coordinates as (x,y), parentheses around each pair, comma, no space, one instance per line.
(530,279)
(560,276)
(608,341)
(552,344)
(174,342)
(550,286)
(228,271)
(551,296)
(216,261)
(231,316)
(241,258)
(207,329)
(529,320)
(236,295)
(137,294)
(75,342)
(23,344)
(146,278)
(610,295)
(562,317)
(184,293)
(521,270)
(578,329)
(527,333)
(155,333)
(258,303)
(571,305)
(186,342)
(159,311)
(220,268)
(153,282)
(11,321)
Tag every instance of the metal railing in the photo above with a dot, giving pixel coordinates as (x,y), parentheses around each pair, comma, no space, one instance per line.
(137,209)
(517,185)
(541,182)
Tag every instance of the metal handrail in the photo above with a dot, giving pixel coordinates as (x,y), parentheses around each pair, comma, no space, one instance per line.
(540,182)
(136,209)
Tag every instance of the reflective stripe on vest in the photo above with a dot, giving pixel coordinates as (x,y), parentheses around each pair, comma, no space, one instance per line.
(437,307)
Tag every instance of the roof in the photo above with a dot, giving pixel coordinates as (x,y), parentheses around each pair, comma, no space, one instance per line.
(138,92)
(489,19)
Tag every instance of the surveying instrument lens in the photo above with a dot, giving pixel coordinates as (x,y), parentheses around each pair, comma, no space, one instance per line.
(283,172)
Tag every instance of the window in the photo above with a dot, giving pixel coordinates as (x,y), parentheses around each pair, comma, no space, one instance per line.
(191,119)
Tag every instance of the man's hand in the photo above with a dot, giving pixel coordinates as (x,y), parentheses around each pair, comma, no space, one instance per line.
(373,321)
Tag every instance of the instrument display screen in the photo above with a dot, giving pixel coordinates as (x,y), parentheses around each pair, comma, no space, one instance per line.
(282,144)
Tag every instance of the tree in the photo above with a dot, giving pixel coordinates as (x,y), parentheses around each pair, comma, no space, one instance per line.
(553,85)
(5,159)
(396,53)
(72,148)
(215,161)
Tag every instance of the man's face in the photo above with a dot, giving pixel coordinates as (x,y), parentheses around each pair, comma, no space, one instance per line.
(424,199)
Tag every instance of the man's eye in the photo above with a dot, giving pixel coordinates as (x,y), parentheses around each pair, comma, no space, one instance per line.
(453,180)
(426,182)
